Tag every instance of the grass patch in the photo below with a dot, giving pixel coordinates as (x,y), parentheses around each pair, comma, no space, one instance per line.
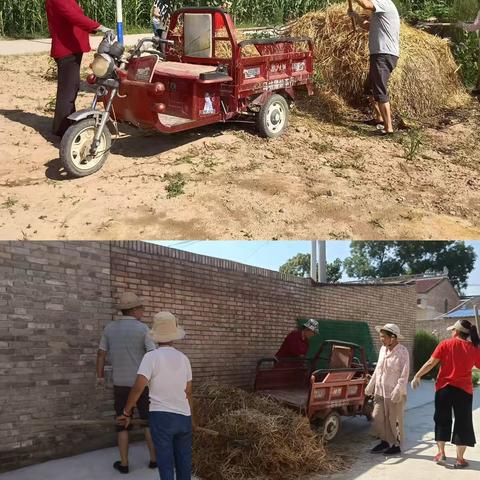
(175,184)
(50,105)
(323,147)
(412,144)
(9,202)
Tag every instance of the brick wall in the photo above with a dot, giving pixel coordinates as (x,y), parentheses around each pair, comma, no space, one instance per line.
(55,299)
(235,314)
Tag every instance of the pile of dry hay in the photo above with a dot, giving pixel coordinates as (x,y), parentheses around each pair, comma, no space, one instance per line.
(277,442)
(424,82)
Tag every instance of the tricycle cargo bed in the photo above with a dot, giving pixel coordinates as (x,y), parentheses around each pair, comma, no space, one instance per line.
(295,397)
(318,393)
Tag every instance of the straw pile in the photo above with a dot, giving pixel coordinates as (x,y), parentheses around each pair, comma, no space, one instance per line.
(279,443)
(424,82)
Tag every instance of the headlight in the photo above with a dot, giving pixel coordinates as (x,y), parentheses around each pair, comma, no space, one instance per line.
(102,65)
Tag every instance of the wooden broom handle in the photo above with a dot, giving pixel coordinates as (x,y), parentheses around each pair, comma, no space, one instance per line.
(350,9)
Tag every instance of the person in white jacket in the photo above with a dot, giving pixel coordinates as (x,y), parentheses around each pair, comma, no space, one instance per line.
(388,386)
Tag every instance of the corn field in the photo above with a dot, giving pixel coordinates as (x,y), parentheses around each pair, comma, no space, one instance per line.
(25,18)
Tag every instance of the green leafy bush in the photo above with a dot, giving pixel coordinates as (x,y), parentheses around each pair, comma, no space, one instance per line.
(476,378)
(423,347)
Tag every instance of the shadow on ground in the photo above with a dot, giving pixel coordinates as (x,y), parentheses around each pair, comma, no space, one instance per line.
(133,142)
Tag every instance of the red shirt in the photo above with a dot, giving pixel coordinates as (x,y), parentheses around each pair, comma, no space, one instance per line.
(294,345)
(69,27)
(457,358)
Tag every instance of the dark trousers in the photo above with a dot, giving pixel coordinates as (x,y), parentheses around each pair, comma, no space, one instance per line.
(381,67)
(120,397)
(68,84)
(172,437)
(449,399)
(160,33)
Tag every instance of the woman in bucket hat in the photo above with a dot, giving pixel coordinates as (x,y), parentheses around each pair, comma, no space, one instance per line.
(168,373)
(388,386)
(295,343)
(453,389)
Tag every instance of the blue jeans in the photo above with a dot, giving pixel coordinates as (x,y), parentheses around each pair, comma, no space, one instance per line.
(172,437)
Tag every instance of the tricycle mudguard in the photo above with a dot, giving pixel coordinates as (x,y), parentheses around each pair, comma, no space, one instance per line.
(92,113)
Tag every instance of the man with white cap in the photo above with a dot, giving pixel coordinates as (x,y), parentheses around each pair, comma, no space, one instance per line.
(296,342)
(125,341)
(388,386)
(453,389)
(168,373)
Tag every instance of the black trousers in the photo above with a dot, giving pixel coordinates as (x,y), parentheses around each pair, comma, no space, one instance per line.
(120,397)
(381,67)
(68,85)
(449,399)
(160,33)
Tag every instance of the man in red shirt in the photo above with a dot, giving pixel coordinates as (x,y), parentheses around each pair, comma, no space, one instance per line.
(296,342)
(453,389)
(69,29)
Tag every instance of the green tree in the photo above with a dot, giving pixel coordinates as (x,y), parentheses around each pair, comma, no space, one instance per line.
(423,347)
(299,265)
(389,259)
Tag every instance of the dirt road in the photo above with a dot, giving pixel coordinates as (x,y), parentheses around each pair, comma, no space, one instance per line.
(320,179)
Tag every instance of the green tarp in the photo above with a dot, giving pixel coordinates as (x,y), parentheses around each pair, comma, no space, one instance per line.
(345,331)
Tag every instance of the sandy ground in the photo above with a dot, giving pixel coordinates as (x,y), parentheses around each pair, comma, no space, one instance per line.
(223,182)
(353,443)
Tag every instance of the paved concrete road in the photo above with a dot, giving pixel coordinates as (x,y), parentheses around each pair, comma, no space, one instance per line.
(353,444)
(42,45)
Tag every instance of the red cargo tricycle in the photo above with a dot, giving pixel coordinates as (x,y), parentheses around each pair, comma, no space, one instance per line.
(205,76)
(323,395)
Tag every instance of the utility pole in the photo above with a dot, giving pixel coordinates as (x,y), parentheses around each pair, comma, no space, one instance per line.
(322,261)
(119,21)
(313,262)
(318,261)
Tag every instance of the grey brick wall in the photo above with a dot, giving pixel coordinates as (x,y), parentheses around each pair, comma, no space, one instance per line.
(235,314)
(56,298)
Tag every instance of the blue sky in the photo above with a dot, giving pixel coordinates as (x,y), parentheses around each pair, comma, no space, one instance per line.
(271,254)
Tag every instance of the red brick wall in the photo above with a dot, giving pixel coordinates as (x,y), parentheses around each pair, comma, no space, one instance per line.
(235,314)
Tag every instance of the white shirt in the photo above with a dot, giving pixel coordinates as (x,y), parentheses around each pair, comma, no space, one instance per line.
(168,372)
(384,32)
(391,373)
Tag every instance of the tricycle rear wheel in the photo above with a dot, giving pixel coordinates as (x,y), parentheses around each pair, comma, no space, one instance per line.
(330,426)
(75,148)
(272,119)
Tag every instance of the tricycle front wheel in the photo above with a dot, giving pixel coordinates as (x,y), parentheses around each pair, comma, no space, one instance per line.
(272,119)
(75,148)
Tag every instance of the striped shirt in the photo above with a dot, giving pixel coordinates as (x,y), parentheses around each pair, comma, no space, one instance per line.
(126,340)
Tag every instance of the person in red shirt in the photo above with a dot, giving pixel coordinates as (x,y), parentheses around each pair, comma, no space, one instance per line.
(453,389)
(218,19)
(296,342)
(69,29)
